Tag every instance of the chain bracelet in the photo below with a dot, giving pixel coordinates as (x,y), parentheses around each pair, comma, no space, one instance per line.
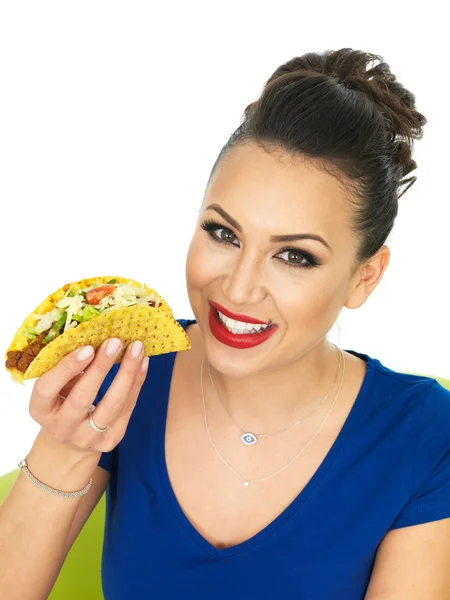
(24,467)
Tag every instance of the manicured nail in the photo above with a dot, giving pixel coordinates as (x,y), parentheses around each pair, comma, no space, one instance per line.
(85,352)
(112,346)
(144,364)
(136,348)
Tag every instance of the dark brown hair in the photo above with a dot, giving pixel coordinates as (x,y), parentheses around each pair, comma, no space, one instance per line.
(356,124)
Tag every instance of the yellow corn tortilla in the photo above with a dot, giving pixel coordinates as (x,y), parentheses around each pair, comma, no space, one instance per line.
(154,326)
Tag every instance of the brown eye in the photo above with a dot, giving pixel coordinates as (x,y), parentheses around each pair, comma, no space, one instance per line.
(219,233)
(295,257)
(226,235)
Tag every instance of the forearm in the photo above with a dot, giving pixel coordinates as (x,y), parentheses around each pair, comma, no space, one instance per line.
(34,524)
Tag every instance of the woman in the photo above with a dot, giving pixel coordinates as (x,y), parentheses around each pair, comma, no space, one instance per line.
(267,461)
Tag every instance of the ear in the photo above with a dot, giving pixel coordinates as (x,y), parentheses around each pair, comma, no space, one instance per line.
(367,277)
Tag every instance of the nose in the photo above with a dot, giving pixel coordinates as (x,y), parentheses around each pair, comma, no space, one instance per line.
(243,284)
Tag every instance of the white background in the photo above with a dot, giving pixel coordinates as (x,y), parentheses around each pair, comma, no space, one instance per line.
(112,115)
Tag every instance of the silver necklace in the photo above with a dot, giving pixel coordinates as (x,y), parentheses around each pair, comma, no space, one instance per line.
(246,481)
(249,438)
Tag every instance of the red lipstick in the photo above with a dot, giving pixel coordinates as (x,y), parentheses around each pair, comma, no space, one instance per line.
(230,315)
(241,341)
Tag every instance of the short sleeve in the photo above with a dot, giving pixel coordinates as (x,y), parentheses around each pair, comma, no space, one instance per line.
(430,491)
(106,458)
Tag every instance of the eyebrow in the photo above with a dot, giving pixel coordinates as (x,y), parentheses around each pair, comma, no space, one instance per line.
(274,238)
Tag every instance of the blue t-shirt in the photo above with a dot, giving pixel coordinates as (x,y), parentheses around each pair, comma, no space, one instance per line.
(389,467)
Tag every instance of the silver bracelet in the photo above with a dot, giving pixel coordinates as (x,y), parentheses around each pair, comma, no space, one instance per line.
(24,467)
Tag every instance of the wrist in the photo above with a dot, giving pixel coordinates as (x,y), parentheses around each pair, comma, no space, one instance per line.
(61,466)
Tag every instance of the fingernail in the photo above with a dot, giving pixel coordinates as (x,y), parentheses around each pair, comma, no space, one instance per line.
(85,352)
(136,348)
(112,346)
(144,364)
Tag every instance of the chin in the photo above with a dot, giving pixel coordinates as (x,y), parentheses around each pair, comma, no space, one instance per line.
(231,361)
(233,368)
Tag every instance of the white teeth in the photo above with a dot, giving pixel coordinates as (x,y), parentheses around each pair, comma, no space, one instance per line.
(230,323)
(240,327)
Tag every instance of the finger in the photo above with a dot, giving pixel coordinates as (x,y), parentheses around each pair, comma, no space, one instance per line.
(116,397)
(117,428)
(68,387)
(61,397)
(124,417)
(75,408)
(44,397)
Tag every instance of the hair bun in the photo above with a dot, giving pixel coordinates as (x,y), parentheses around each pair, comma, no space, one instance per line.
(380,85)
(404,123)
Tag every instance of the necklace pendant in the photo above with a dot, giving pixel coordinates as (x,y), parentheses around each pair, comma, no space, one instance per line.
(249,439)
(246,483)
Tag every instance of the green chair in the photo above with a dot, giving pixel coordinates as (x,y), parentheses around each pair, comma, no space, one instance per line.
(80,576)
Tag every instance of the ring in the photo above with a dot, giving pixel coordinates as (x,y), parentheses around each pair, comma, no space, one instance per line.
(93,425)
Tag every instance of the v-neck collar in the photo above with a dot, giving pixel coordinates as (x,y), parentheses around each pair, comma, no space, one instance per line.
(299,501)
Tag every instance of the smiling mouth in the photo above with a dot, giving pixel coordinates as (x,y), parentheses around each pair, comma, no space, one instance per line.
(240,327)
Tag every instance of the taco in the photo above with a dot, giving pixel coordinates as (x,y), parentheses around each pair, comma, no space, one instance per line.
(88,312)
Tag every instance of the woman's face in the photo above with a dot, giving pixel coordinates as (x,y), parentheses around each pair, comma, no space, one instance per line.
(253,197)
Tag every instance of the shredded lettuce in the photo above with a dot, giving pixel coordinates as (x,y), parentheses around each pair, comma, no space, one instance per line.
(73,308)
(47,320)
(86,313)
(29,333)
(56,328)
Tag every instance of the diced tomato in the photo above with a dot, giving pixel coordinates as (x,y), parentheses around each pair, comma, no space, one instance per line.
(97,294)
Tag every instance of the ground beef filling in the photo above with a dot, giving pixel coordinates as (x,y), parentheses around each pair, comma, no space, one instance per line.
(21,359)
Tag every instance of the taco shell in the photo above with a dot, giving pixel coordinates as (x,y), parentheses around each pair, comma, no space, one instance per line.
(154,326)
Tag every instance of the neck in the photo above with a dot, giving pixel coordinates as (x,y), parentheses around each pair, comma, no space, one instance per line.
(272,399)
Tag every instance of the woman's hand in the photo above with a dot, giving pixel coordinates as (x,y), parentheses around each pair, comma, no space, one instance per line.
(62,396)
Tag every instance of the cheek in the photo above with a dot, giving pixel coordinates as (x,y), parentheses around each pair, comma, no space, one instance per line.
(205,262)
(313,305)
(199,267)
